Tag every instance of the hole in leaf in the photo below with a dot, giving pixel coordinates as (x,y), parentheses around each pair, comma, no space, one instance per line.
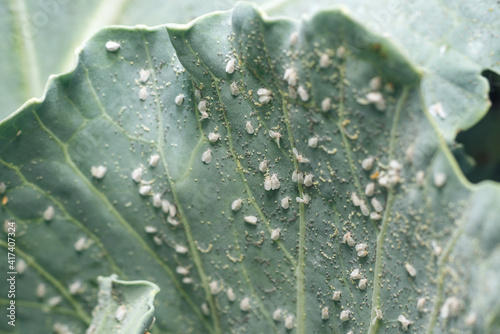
(478,150)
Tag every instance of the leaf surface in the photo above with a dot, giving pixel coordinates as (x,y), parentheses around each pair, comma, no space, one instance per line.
(217,271)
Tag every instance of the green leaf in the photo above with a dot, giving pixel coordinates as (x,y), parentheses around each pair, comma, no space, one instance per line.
(452,43)
(124,307)
(39,37)
(204,254)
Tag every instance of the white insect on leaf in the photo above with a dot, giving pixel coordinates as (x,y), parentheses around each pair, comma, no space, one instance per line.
(181,249)
(324,60)
(367,163)
(356,274)
(361,249)
(98,172)
(377,99)
(289,322)
(182,270)
(245,304)
(405,323)
(337,295)
(421,304)
(172,221)
(326,104)
(150,229)
(439,179)
(203,115)
(230,66)
(345,315)
(172,210)
(144,75)
(362,283)
(249,128)
(59,328)
(275,182)
(75,287)
(236,205)
(264,95)
(370,189)
(377,205)
(145,190)
(292,92)
(197,94)
(437,110)
(410,269)
(214,287)
(179,99)
(285,202)
(276,136)
(21,266)
(278,314)
(206,157)
(451,307)
(375,216)
(213,137)
(375,83)
(267,183)
(313,142)
(300,158)
(355,199)
(291,76)
(347,239)
(230,295)
(143,93)
(308,180)
(41,290)
(49,213)
(275,234)
(205,309)
(304,199)
(3,187)
(137,174)
(54,301)
(165,206)
(252,220)
(202,106)
(153,160)
(112,46)
(187,280)
(157,240)
(264,165)
(304,96)
(325,313)
(233,88)
(80,244)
